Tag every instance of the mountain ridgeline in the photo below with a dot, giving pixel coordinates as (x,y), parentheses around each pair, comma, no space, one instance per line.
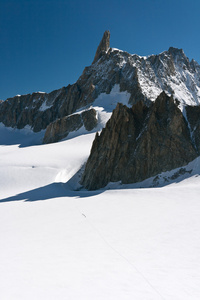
(159,131)
(144,78)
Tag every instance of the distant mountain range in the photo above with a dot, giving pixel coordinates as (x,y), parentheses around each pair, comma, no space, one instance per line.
(156,129)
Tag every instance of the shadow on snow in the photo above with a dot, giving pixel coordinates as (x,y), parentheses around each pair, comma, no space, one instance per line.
(51,191)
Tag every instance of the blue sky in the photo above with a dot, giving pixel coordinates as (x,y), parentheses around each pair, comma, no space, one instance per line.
(46,44)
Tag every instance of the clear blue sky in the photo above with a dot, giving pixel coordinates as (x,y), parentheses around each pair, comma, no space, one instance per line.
(45,44)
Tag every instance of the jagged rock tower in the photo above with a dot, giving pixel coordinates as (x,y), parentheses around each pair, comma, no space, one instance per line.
(103,46)
(140,142)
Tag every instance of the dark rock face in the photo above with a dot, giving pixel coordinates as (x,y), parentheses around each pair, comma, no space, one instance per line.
(138,143)
(89,118)
(62,127)
(193,116)
(38,110)
(103,46)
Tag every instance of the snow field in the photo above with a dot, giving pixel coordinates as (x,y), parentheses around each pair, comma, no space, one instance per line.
(57,243)
(125,244)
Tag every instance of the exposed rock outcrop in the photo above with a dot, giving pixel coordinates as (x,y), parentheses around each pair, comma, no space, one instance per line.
(38,110)
(103,46)
(138,143)
(62,127)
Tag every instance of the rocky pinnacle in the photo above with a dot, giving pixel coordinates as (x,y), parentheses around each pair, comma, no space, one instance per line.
(103,46)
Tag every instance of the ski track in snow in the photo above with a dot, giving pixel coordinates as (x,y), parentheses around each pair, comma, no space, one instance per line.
(119,243)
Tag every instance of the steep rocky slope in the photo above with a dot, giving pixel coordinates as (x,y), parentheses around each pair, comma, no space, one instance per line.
(62,127)
(144,78)
(140,142)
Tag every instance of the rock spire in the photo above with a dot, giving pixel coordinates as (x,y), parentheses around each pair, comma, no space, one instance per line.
(103,46)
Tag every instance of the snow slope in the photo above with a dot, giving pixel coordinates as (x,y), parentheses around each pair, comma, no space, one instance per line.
(57,243)
(170,71)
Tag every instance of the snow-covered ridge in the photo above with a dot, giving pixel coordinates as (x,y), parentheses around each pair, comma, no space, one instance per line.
(135,78)
(170,71)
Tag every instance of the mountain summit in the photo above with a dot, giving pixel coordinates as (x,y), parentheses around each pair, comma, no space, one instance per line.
(103,46)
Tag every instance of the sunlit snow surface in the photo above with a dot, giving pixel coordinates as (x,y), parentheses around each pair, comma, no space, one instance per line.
(175,76)
(57,243)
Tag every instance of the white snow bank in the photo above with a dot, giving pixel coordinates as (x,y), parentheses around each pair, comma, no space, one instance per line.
(109,101)
(24,137)
(116,244)
(30,167)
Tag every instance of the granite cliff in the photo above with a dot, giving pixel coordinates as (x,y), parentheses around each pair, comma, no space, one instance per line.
(140,142)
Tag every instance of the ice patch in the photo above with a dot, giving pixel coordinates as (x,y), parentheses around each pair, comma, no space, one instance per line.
(109,101)
(44,106)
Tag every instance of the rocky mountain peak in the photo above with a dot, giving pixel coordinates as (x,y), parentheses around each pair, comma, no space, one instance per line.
(176,51)
(179,56)
(103,46)
(138,143)
(114,74)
